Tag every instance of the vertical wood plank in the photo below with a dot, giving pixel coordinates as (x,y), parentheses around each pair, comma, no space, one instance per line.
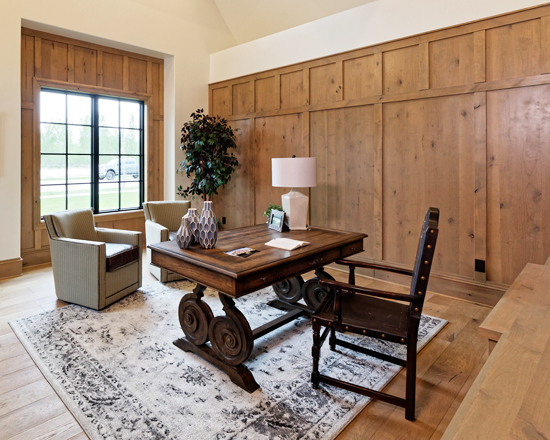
(306,85)
(545,44)
(252,94)
(38,57)
(424,66)
(378,74)
(125,73)
(305,132)
(339,80)
(160,148)
(70,63)
(480,164)
(99,68)
(149,77)
(151,171)
(160,106)
(479,56)
(211,102)
(230,101)
(277,90)
(37,239)
(36,153)
(160,91)
(378,182)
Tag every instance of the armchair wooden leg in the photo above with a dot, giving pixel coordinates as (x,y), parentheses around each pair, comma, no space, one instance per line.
(410,392)
(316,352)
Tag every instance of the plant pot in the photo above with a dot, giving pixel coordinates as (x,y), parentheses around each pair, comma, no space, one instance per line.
(208,227)
(193,218)
(184,236)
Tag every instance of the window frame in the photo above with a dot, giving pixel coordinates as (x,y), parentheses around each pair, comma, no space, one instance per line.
(95,153)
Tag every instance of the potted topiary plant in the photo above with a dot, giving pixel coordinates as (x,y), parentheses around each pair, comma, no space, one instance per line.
(206,142)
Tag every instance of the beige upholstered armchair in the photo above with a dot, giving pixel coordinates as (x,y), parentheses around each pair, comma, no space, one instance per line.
(162,221)
(92,267)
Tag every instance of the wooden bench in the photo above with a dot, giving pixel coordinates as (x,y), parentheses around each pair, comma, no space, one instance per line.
(510,397)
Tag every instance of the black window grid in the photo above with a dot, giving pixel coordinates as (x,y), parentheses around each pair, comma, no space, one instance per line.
(95,155)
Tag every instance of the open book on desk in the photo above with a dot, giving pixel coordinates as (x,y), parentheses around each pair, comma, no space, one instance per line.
(286,243)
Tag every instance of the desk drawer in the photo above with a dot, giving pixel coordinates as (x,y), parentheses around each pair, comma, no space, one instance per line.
(307,264)
(260,280)
(352,248)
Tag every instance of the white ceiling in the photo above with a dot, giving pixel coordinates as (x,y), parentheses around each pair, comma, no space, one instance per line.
(252,19)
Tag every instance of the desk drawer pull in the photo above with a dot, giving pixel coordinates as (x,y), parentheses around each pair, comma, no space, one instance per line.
(316,261)
(264,279)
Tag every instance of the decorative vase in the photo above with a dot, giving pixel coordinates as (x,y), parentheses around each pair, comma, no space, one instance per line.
(193,218)
(208,227)
(184,235)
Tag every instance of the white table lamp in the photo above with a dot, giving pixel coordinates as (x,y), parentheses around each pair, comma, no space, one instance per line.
(294,172)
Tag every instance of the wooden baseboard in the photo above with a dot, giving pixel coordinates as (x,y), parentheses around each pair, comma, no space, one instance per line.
(34,258)
(11,268)
(486,293)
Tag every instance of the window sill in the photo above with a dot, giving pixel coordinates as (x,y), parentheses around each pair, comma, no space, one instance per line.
(116,216)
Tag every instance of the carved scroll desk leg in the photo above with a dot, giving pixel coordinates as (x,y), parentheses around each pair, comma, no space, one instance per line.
(230,336)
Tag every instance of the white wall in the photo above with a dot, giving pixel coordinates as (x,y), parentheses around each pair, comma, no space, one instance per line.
(372,23)
(185,35)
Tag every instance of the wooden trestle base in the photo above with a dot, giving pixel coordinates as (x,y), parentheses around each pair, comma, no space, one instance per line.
(239,374)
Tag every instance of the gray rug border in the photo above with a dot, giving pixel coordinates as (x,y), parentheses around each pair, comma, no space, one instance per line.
(91,430)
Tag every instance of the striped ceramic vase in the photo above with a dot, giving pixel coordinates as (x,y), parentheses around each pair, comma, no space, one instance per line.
(193,218)
(208,227)
(184,234)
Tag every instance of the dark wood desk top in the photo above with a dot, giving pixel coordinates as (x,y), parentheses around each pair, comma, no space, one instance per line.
(269,264)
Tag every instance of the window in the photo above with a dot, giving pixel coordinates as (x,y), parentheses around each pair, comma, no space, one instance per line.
(91,152)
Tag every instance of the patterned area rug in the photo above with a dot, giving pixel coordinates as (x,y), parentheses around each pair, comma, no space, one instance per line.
(122,378)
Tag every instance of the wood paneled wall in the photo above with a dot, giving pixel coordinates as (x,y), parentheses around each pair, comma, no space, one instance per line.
(456,118)
(63,63)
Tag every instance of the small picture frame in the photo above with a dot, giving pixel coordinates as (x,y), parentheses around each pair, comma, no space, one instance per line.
(276,220)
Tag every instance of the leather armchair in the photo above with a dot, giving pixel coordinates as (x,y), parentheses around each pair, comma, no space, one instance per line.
(92,267)
(162,221)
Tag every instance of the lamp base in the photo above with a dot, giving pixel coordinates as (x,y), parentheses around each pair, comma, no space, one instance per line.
(295,206)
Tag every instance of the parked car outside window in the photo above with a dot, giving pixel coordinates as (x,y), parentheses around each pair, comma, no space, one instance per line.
(111,168)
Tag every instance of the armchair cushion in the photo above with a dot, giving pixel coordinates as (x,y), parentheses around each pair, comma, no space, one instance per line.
(119,255)
(167,214)
(78,224)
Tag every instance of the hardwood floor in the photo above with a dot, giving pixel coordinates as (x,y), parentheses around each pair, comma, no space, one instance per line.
(447,366)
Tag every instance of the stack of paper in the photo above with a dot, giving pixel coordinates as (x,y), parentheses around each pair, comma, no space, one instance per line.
(286,243)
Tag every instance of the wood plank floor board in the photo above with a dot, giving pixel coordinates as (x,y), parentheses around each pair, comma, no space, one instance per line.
(24,396)
(62,427)
(19,378)
(8,339)
(15,363)
(438,433)
(379,420)
(437,388)
(36,413)
(11,350)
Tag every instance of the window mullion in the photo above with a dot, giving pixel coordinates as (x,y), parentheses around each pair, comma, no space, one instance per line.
(95,151)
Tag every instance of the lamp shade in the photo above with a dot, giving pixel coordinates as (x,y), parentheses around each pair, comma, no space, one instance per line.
(294,172)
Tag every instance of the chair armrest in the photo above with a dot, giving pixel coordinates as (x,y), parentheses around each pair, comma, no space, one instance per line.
(155,232)
(370,292)
(119,236)
(77,241)
(355,263)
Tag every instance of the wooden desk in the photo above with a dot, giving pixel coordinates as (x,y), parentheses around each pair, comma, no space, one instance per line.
(510,396)
(231,337)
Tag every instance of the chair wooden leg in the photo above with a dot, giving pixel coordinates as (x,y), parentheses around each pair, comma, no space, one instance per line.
(332,339)
(410,392)
(315,353)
